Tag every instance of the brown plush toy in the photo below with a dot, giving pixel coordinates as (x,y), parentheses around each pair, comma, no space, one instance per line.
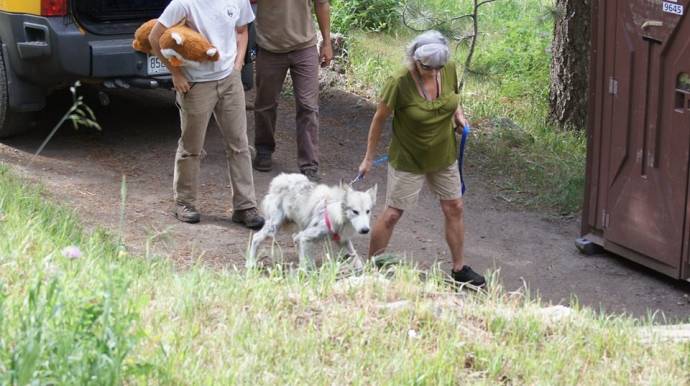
(141,37)
(180,45)
(183,46)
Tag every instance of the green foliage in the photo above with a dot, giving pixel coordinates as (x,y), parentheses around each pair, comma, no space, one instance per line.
(537,169)
(62,320)
(373,57)
(109,319)
(367,15)
(515,56)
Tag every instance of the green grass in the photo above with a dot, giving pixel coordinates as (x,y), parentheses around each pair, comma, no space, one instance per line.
(506,98)
(110,318)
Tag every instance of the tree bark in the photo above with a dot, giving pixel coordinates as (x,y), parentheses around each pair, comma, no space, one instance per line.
(570,64)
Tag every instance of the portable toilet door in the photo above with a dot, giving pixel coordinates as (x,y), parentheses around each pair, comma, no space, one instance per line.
(637,203)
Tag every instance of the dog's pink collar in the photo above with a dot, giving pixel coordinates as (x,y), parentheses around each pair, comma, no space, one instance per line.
(329,225)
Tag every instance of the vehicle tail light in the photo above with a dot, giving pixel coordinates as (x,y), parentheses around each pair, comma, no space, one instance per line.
(54,7)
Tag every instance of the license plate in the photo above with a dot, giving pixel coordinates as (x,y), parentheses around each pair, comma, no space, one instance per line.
(155,66)
(673,8)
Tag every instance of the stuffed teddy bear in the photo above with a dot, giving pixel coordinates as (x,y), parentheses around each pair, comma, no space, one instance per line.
(180,45)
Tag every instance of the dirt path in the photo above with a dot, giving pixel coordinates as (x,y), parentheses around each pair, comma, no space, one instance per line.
(84,170)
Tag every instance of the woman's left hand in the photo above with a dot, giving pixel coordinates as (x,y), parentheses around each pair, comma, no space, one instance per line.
(460,119)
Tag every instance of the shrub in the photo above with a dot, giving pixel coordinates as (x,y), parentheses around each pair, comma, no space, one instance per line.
(368,15)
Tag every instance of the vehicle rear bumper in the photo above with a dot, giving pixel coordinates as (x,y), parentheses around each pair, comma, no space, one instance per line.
(49,51)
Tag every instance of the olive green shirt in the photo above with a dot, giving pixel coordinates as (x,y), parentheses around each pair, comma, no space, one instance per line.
(285,25)
(423,131)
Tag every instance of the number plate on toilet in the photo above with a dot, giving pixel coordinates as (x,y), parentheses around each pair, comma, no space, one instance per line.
(673,8)
(155,66)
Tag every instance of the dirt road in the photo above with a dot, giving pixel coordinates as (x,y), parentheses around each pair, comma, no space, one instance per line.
(84,169)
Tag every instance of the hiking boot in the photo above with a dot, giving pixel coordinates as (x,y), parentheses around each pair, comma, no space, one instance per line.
(187,213)
(262,162)
(312,174)
(467,276)
(249,218)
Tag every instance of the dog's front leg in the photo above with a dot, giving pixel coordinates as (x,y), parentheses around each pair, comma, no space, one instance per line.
(306,260)
(304,240)
(356,259)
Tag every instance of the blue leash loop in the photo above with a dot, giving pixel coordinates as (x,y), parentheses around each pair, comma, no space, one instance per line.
(376,162)
(463,141)
(465,133)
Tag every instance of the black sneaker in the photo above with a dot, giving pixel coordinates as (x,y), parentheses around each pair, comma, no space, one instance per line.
(467,276)
(263,162)
(187,213)
(312,174)
(249,218)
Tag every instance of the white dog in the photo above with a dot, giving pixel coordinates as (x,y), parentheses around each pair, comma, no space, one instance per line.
(319,211)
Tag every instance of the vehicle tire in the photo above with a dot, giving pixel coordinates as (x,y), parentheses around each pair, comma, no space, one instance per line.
(11,123)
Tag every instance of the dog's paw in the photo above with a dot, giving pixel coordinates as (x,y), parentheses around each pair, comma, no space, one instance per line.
(353,260)
(357,263)
(250,263)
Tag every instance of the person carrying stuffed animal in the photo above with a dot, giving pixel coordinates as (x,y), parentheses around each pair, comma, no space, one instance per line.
(211,88)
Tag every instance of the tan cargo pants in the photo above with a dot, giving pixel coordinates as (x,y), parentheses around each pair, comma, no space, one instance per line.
(224,100)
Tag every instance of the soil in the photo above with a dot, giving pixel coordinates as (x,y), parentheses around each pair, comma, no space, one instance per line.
(84,169)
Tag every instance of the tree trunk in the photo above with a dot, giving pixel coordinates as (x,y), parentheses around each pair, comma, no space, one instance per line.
(570,64)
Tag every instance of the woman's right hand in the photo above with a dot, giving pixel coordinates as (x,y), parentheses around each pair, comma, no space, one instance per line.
(365,166)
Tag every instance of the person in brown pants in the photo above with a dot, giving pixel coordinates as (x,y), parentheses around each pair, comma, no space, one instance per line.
(212,89)
(286,40)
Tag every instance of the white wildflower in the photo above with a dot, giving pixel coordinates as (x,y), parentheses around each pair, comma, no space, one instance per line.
(72,252)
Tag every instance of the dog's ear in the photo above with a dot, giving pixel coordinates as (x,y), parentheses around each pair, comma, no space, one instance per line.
(344,185)
(372,193)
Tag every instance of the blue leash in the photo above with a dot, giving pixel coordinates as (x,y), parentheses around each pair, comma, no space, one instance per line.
(376,162)
(463,141)
(465,133)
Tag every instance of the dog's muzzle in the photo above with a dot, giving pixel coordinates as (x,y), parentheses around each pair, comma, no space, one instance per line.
(364,231)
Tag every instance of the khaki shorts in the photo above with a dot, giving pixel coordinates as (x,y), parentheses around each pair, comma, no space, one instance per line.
(403,188)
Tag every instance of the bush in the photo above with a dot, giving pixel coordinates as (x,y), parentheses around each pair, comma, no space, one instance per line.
(367,15)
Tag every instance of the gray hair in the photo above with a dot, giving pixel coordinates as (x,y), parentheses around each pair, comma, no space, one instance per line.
(430,48)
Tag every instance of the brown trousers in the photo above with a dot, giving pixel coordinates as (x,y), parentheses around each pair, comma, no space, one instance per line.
(271,69)
(224,100)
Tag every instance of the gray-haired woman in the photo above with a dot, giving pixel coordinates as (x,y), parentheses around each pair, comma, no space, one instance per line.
(424,101)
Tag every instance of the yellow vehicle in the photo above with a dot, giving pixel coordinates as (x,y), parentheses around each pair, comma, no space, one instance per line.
(48,44)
